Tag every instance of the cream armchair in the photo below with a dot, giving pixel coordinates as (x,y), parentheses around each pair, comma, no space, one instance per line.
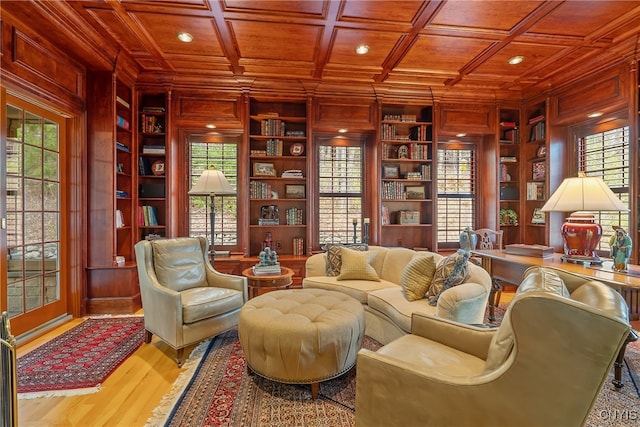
(543,366)
(184,299)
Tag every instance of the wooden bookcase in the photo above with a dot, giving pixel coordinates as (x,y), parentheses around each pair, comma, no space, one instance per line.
(112,286)
(406,144)
(278,186)
(534,175)
(509,174)
(152,158)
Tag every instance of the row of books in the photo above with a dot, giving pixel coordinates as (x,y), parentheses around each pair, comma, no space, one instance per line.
(537,132)
(260,190)
(413,151)
(272,127)
(511,136)
(298,246)
(274,147)
(393,191)
(148,216)
(294,216)
(151,124)
(123,102)
(399,133)
(535,190)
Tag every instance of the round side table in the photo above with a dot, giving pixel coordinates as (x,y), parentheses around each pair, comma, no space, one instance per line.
(260,283)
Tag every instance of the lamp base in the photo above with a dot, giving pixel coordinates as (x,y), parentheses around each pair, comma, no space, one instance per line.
(580,259)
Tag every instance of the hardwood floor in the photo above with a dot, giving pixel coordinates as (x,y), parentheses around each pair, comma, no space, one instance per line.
(127,398)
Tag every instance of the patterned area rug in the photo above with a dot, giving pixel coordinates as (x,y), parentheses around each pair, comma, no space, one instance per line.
(215,390)
(77,361)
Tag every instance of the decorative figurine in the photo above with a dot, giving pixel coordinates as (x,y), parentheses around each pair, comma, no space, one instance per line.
(268,257)
(620,249)
(468,239)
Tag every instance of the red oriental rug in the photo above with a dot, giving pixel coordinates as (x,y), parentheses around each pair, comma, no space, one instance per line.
(80,359)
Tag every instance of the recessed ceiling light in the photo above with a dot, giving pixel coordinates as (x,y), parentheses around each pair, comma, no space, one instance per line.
(592,115)
(343,130)
(460,135)
(516,60)
(362,49)
(185,37)
(211,126)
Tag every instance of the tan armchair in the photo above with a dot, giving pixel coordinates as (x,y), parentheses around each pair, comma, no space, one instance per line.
(184,299)
(543,366)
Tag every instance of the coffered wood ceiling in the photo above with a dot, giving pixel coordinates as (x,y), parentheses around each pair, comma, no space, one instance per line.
(448,48)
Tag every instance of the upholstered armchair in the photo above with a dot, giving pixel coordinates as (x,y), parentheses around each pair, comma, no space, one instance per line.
(543,366)
(184,299)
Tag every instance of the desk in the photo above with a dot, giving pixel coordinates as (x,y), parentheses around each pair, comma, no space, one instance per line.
(510,269)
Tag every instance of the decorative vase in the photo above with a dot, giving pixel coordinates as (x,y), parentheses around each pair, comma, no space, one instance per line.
(468,239)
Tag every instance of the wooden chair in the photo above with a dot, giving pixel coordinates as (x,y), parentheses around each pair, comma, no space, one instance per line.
(489,239)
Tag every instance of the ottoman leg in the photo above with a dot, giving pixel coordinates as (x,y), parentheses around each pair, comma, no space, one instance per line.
(315,387)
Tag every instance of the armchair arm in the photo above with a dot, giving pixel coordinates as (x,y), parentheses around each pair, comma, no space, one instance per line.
(467,338)
(316,265)
(228,281)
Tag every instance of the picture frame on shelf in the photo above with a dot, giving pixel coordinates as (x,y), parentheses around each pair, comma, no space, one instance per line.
(538,217)
(157,167)
(391,171)
(297,149)
(415,192)
(294,191)
(542,150)
(264,169)
(538,170)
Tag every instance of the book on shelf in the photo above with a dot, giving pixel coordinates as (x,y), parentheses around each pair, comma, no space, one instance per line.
(508,124)
(152,109)
(508,159)
(298,246)
(119,219)
(122,102)
(153,149)
(122,146)
(144,166)
(122,122)
(535,190)
(122,193)
(292,173)
(148,216)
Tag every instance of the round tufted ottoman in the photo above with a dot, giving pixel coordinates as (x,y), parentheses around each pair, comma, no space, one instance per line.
(301,336)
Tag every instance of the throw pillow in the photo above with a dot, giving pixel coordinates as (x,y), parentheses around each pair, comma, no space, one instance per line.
(334,257)
(450,271)
(417,276)
(356,265)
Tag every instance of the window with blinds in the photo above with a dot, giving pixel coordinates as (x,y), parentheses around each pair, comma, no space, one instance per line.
(606,155)
(340,175)
(456,182)
(224,156)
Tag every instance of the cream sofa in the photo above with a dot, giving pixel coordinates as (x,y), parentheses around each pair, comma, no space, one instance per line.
(387,312)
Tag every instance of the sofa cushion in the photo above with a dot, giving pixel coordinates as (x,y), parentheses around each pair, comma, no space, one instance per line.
(392,303)
(417,276)
(179,263)
(450,271)
(334,257)
(358,289)
(202,303)
(356,265)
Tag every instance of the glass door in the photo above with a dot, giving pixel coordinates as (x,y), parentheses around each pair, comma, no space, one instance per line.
(32,219)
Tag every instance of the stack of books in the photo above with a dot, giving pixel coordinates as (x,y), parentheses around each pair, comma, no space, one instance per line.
(266,269)
(293,173)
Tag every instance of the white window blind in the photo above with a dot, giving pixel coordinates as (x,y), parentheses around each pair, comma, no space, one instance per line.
(456,194)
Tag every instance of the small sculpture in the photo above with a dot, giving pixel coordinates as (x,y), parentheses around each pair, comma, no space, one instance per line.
(268,257)
(620,249)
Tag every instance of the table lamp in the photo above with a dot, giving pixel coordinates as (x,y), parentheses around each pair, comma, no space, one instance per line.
(580,232)
(212,182)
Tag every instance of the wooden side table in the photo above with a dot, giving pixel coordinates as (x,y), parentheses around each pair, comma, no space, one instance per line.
(260,283)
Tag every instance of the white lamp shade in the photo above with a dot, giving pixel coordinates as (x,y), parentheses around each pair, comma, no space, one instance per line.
(583,193)
(211,182)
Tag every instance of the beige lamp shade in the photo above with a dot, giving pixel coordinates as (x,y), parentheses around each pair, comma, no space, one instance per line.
(211,182)
(583,193)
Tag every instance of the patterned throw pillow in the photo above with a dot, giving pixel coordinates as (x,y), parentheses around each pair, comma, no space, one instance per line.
(450,271)
(356,265)
(417,276)
(334,257)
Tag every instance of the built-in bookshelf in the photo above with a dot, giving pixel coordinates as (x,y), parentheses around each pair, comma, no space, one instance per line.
(406,193)
(124,219)
(534,169)
(637,110)
(278,208)
(151,215)
(509,174)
